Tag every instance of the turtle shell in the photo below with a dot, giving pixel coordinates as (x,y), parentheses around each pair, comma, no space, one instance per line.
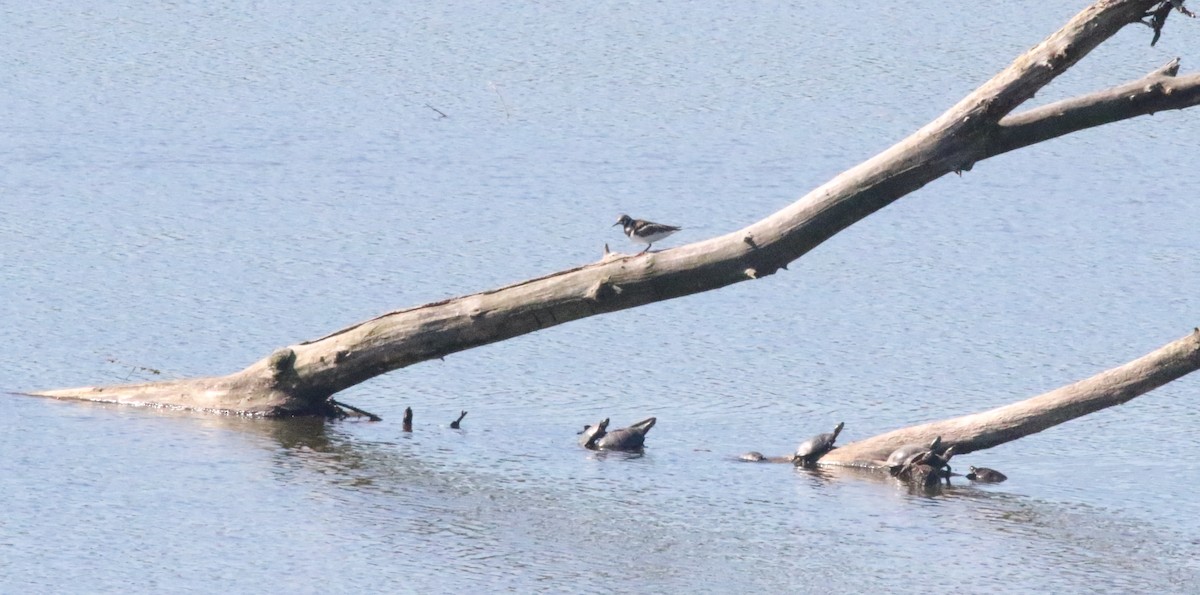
(902,455)
(985,475)
(817,445)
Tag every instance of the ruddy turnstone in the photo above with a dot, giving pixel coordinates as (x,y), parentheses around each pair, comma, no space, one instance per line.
(645,232)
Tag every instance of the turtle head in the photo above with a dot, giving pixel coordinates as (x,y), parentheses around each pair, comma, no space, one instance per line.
(838,429)
(946,454)
(599,427)
(590,434)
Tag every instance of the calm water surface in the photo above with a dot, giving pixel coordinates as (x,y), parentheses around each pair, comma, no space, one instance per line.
(186,187)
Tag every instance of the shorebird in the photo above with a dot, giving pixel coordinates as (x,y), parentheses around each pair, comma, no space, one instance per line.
(645,232)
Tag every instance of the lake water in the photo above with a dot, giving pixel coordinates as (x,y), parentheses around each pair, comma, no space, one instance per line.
(188,186)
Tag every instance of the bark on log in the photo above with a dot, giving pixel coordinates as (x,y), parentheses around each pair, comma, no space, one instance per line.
(301,379)
(1010,422)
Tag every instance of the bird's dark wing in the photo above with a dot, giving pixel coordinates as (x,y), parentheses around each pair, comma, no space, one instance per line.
(647,228)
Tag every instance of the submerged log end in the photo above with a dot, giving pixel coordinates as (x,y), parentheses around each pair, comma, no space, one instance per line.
(271,387)
(215,395)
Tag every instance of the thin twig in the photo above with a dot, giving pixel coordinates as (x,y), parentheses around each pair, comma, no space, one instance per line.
(370,416)
(132,367)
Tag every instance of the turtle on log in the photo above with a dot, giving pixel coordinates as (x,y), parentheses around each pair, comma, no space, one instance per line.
(811,450)
(900,456)
(923,465)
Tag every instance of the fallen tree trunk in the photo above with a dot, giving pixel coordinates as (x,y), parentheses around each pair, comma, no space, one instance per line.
(1010,422)
(301,379)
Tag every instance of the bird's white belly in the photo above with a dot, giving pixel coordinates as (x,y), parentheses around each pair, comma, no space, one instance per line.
(650,239)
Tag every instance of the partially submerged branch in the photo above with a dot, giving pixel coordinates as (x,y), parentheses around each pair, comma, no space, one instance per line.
(360,412)
(1010,422)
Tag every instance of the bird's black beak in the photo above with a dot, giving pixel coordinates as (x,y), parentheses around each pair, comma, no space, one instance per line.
(616,224)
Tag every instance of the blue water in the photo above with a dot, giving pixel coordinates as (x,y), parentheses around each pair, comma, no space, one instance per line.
(187,187)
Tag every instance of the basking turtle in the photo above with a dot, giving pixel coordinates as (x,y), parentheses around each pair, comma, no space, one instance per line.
(901,456)
(921,464)
(985,475)
(816,447)
(590,434)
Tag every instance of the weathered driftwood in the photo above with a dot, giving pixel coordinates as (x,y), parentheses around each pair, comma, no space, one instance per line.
(300,379)
(1010,422)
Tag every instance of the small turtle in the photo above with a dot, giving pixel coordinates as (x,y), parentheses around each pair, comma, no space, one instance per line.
(631,438)
(590,434)
(456,423)
(985,475)
(816,447)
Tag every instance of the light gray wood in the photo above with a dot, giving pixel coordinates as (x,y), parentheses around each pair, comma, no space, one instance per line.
(978,431)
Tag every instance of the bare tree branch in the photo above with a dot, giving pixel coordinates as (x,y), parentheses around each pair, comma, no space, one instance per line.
(1010,422)
(1158,91)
